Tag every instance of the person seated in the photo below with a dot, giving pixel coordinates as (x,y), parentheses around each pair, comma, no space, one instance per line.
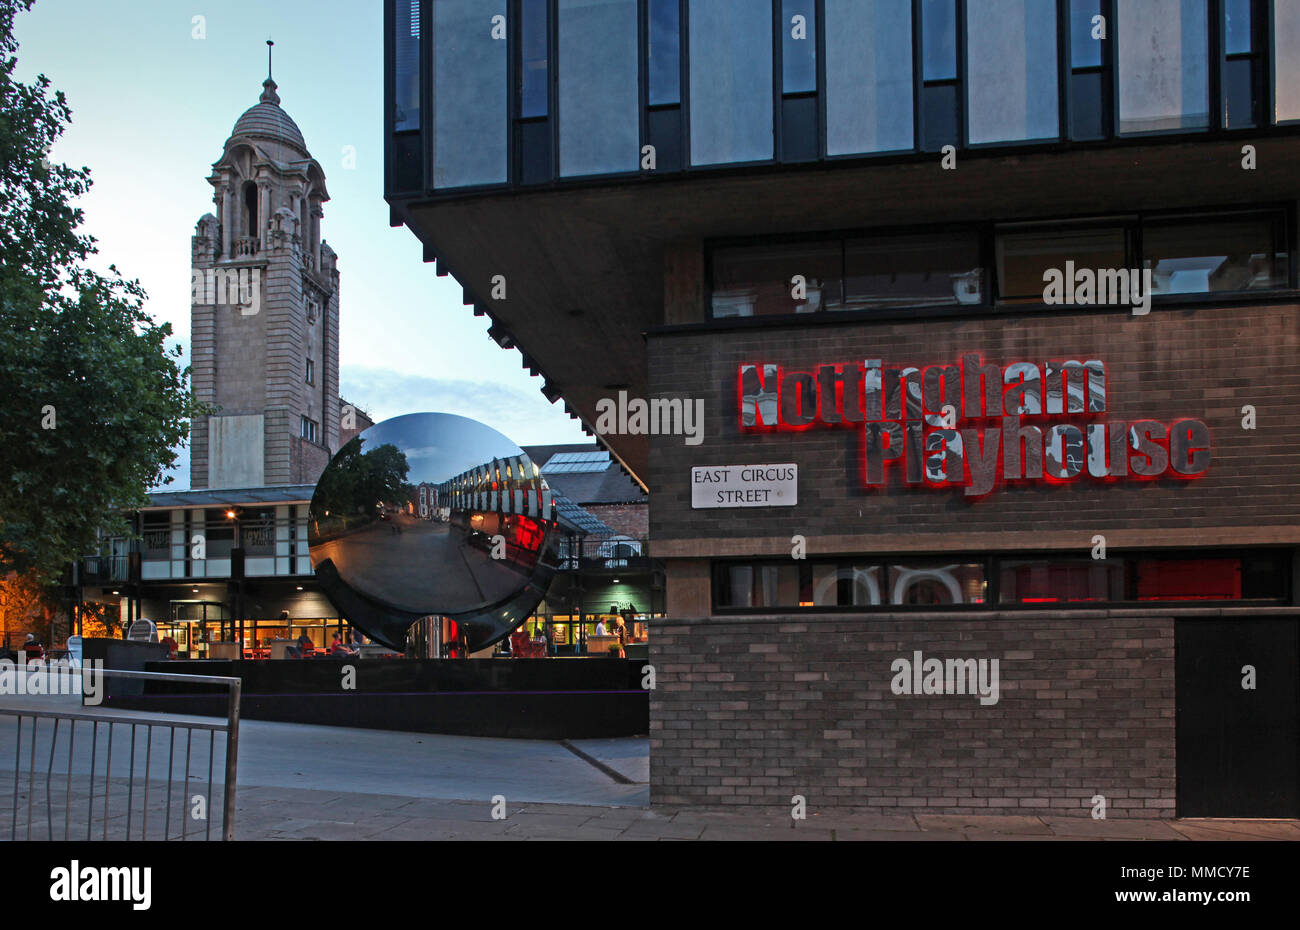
(337,647)
(32,648)
(305,646)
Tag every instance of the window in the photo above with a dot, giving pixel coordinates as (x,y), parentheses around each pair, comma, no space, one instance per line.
(940,100)
(1025,254)
(761,280)
(406,101)
(310,430)
(1202,255)
(1054,581)
(1089,71)
(846,585)
(868,76)
(757,585)
(1241,74)
(912,270)
(311,372)
(847,274)
(798,46)
(470,97)
(730,82)
(219,533)
(1040,580)
(599,128)
(533,84)
(933,583)
(800,117)
(1169,89)
(1011,70)
(1286,60)
(663,53)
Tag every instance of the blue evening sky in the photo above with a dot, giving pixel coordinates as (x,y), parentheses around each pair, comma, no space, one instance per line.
(152,107)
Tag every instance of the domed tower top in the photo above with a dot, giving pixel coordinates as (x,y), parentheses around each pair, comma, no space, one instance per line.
(267,121)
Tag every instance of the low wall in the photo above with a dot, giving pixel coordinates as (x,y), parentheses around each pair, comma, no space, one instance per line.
(756,710)
(513,698)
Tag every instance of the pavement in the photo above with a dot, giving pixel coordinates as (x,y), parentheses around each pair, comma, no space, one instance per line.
(299,782)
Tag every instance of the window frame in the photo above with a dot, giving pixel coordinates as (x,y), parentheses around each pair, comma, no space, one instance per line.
(992,566)
(1283,215)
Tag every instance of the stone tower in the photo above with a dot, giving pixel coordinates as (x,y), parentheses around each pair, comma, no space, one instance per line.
(265,312)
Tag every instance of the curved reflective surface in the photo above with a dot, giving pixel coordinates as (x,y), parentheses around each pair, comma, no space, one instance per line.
(432,514)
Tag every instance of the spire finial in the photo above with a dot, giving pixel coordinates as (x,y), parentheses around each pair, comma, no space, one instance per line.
(268,86)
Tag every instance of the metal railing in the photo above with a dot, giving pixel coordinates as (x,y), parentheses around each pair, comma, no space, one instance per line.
(105,808)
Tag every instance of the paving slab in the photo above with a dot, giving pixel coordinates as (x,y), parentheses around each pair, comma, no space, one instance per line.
(977,824)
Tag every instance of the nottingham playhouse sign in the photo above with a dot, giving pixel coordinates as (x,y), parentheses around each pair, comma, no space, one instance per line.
(912,422)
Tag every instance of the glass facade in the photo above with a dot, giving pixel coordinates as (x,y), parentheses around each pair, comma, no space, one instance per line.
(730,83)
(469,97)
(1169,90)
(406,112)
(595,80)
(1286,60)
(599,129)
(1044,581)
(1011,58)
(868,76)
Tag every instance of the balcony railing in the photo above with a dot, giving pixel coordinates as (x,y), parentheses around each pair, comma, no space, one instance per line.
(604,553)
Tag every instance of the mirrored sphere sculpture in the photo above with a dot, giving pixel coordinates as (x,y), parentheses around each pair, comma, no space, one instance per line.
(433,514)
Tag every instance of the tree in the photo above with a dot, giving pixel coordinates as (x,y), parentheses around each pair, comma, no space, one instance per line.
(94,400)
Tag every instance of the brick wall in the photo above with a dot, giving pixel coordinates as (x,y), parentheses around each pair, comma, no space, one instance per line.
(629,519)
(753,711)
(1205,363)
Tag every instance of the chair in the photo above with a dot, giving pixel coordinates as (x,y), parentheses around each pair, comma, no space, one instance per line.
(521,647)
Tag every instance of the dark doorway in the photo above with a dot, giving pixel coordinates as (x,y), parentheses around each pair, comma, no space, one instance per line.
(1238,749)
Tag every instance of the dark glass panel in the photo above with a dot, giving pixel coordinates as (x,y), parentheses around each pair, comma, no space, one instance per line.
(406,102)
(757,280)
(1087,107)
(665,49)
(1239,100)
(1024,255)
(665,131)
(916,270)
(799,129)
(940,116)
(532,53)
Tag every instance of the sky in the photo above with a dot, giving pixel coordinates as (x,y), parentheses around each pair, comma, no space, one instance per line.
(155,93)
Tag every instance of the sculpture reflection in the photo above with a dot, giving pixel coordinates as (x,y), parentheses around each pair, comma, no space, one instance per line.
(432,514)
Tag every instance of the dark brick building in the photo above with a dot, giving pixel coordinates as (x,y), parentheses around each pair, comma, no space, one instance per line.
(965,340)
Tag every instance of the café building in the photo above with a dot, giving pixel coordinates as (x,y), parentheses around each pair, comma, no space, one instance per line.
(992,310)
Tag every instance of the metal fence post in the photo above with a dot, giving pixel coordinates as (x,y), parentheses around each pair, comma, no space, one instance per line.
(232,758)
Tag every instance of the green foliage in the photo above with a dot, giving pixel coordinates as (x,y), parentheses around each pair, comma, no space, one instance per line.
(356,481)
(94,402)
